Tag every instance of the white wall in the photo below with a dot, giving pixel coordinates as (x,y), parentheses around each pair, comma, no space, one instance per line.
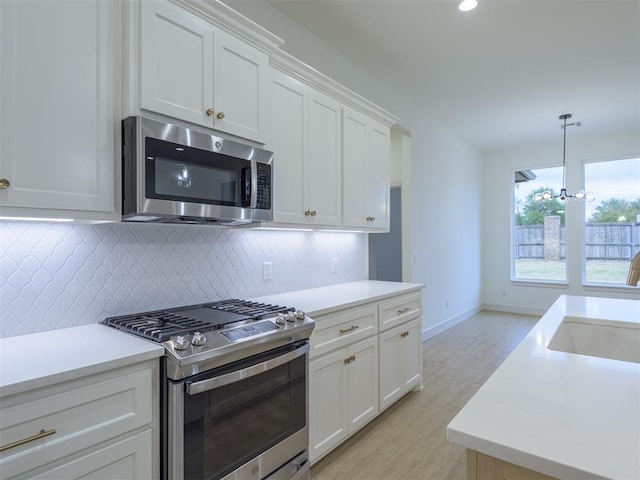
(446,176)
(498,168)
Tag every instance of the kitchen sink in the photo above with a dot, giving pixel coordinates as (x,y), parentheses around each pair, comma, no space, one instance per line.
(598,338)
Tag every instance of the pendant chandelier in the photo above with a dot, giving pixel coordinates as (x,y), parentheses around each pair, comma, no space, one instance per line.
(563,196)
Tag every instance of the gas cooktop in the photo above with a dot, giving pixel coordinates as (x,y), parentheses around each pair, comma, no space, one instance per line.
(162,325)
(206,335)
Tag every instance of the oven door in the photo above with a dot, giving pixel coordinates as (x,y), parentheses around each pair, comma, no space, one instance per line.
(240,421)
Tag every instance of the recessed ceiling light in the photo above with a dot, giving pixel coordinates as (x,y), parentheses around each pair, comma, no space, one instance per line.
(467,5)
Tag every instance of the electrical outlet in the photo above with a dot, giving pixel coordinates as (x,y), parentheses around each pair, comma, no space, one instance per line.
(267,271)
(334,265)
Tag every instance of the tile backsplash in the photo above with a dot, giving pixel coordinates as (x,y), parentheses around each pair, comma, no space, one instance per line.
(58,275)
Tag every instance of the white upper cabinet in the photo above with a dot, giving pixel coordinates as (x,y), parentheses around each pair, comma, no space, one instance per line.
(176,69)
(58,135)
(194,71)
(365,167)
(306,133)
(240,88)
(289,144)
(324,173)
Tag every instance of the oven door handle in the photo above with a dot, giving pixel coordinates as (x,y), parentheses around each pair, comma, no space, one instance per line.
(215,382)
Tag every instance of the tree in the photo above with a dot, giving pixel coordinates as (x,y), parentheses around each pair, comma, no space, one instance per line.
(533,212)
(616,210)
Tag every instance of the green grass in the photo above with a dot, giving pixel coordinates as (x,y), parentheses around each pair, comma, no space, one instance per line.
(598,271)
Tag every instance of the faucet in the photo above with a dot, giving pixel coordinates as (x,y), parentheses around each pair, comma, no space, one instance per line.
(634,271)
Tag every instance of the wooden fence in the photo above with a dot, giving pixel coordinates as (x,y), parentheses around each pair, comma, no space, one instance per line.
(604,241)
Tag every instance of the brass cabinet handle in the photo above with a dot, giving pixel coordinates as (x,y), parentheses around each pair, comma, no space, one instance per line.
(210,111)
(404,334)
(350,359)
(37,436)
(352,327)
(404,310)
(220,115)
(4,183)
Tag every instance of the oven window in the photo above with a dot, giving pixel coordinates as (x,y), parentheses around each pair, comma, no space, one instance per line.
(230,425)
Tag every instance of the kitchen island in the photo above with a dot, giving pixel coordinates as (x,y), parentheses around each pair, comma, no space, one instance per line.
(565,415)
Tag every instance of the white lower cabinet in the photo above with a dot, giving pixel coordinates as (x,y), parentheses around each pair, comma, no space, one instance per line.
(343,394)
(363,359)
(400,362)
(102,426)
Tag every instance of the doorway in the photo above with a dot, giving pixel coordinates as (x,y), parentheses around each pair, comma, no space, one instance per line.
(385,249)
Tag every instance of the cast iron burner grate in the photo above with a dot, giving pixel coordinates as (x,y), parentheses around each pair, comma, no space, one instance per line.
(157,326)
(161,325)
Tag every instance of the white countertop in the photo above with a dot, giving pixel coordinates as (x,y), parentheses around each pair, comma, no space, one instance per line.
(41,359)
(571,416)
(321,300)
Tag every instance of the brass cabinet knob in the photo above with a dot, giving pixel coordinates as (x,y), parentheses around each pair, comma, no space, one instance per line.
(307,213)
(220,115)
(313,213)
(347,360)
(210,111)
(4,183)
(352,358)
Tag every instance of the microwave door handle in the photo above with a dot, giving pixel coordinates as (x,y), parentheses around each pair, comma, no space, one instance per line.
(211,383)
(254,183)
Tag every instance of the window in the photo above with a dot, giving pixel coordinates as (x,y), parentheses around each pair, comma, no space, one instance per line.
(539,228)
(612,221)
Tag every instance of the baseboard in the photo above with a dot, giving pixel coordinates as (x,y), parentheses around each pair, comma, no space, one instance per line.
(498,307)
(442,326)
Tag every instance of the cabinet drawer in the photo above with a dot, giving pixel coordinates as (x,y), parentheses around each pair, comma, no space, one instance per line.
(342,328)
(81,412)
(399,310)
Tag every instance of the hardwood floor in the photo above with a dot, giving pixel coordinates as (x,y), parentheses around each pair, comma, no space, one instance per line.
(408,440)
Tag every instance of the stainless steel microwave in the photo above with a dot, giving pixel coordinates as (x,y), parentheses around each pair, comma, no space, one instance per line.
(174,174)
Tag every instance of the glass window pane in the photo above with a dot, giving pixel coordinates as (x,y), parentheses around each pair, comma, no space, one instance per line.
(612,221)
(539,227)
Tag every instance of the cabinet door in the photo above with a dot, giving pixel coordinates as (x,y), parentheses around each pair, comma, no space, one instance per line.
(379,176)
(391,360)
(327,403)
(289,143)
(323,178)
(400,361)
(355,190)
(129,458)
(240,88)
(57,121)
(412,355)
(363,383)
(176,63)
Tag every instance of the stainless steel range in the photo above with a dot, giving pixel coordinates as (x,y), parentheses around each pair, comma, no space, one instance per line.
(234,389)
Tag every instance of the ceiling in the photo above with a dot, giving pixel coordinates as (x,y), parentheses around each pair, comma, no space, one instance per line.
(500,75)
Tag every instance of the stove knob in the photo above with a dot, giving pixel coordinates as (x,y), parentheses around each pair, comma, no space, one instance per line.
(180,343)
(280,320)
(198,339)
(299,315)
(291,317)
